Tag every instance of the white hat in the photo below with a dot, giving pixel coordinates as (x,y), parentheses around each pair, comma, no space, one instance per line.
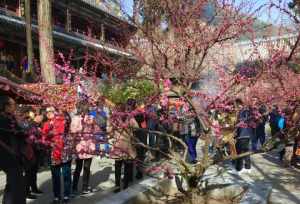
(50,109)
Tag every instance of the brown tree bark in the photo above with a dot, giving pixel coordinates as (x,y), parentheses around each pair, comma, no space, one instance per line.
(46,41)
(30,55)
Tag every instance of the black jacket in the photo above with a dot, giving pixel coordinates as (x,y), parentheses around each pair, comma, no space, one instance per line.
(13,142)
(245,131)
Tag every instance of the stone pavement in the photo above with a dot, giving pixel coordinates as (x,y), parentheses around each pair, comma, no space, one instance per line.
(102,180)
(285,181)
(268,183)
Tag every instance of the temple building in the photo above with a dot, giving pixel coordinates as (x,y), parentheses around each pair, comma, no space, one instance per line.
(78,25)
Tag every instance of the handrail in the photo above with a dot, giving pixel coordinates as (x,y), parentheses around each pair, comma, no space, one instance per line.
(268,39)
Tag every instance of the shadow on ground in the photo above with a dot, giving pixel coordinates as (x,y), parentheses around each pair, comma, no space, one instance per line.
(96,180)
(285,180)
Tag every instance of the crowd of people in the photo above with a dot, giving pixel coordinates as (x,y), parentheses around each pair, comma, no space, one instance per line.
(247,128)
(34,136)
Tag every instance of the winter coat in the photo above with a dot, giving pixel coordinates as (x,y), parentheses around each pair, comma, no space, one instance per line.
(76,124)
(69,142)
(228,126)
(12,137)
(75,132)
(151,118)
(123,147)
(53,135)
(246,126)
(85,141)
(260,128)
(32,140)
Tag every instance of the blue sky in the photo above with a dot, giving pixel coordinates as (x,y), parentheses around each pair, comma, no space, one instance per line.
(127,4)
(274,16)
(271,16)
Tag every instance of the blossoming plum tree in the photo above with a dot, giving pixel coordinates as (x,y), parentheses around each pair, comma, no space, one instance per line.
(182,43)
(192,41)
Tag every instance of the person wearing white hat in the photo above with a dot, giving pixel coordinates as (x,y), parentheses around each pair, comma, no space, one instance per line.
(53,133)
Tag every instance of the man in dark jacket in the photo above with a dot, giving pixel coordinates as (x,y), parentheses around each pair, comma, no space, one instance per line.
(245,131)
(11,145)
(260,134)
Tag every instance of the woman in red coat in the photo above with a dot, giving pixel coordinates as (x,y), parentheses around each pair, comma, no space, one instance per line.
(54,133)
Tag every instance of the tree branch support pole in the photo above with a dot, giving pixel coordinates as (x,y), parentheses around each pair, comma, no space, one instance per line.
(46,41)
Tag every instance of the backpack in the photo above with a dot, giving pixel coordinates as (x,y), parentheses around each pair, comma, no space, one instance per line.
(281,123)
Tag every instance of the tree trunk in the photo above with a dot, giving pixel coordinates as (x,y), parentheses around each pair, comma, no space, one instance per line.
(29,36)
(46,41)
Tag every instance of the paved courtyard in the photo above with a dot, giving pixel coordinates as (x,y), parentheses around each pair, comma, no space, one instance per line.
(285,181)
(102,180)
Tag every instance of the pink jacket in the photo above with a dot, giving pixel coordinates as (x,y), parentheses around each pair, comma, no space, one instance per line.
(85,145)
(76,124)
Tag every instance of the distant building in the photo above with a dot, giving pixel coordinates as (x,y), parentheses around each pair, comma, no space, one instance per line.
(77,25)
